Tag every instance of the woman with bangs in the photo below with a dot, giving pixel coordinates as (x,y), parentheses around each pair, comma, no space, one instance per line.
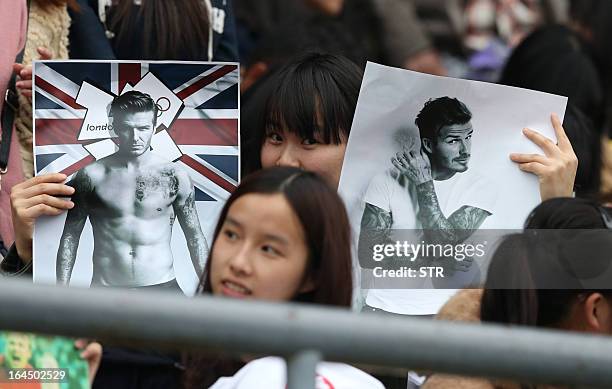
(302,116)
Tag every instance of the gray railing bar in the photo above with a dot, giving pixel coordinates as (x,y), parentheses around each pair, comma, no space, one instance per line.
(301,369)
(158,319)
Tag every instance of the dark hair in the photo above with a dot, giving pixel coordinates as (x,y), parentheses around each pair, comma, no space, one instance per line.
(595,15)
(171,29)
(528,281)
(323,217)
(441,112)
(586,142)
(554,59)
(565,213)
(316,34)
(132,102)
(325,222)
(535,278)
(314,85)
(288,28)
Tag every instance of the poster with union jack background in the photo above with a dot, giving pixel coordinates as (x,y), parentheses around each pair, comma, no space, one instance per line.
(196,134)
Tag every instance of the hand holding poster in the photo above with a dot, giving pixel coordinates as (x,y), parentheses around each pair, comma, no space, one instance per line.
(428,163)
(144,145)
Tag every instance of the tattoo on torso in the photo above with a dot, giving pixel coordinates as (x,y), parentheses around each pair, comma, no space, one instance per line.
(165,183)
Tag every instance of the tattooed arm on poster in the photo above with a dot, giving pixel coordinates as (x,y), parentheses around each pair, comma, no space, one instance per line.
(375,229)
(73,227)
(456,228)
(186,213)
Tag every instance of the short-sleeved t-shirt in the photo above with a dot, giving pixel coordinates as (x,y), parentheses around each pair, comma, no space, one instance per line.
(398,197)
(271,373)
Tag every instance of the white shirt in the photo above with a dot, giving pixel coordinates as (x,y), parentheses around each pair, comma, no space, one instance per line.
(386,193)
(271,373)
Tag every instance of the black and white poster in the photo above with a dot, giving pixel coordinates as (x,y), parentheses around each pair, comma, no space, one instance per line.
(430,153)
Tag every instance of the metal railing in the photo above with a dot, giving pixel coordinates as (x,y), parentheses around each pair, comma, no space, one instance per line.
(304,334)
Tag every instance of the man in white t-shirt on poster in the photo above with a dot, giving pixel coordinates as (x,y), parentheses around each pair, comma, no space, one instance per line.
(428,188)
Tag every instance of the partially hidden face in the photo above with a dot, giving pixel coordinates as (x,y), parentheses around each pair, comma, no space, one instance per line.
(284,148)
(134,132)
(452,149)
(260,252)
(18,351)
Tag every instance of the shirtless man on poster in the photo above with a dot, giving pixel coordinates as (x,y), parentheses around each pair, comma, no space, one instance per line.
(132,199)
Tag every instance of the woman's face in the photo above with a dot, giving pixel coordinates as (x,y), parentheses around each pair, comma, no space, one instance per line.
(260,252)
(284,148)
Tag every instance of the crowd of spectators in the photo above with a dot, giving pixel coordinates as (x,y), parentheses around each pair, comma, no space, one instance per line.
(284,235)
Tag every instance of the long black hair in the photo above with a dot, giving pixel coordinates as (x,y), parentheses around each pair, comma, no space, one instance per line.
(323,217)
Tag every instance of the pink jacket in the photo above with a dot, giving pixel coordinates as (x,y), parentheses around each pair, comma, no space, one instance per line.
(13,22)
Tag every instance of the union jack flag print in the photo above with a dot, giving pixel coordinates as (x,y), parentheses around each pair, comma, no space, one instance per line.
(198,126)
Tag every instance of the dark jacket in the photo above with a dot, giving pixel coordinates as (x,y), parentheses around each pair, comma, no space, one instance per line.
(88,38)
(12,265)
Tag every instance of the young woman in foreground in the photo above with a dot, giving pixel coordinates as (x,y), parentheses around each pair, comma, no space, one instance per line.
(283,235)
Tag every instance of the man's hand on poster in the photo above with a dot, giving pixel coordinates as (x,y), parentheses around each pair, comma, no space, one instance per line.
(24,72)
(34,198)
(414,165)
(556,169)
